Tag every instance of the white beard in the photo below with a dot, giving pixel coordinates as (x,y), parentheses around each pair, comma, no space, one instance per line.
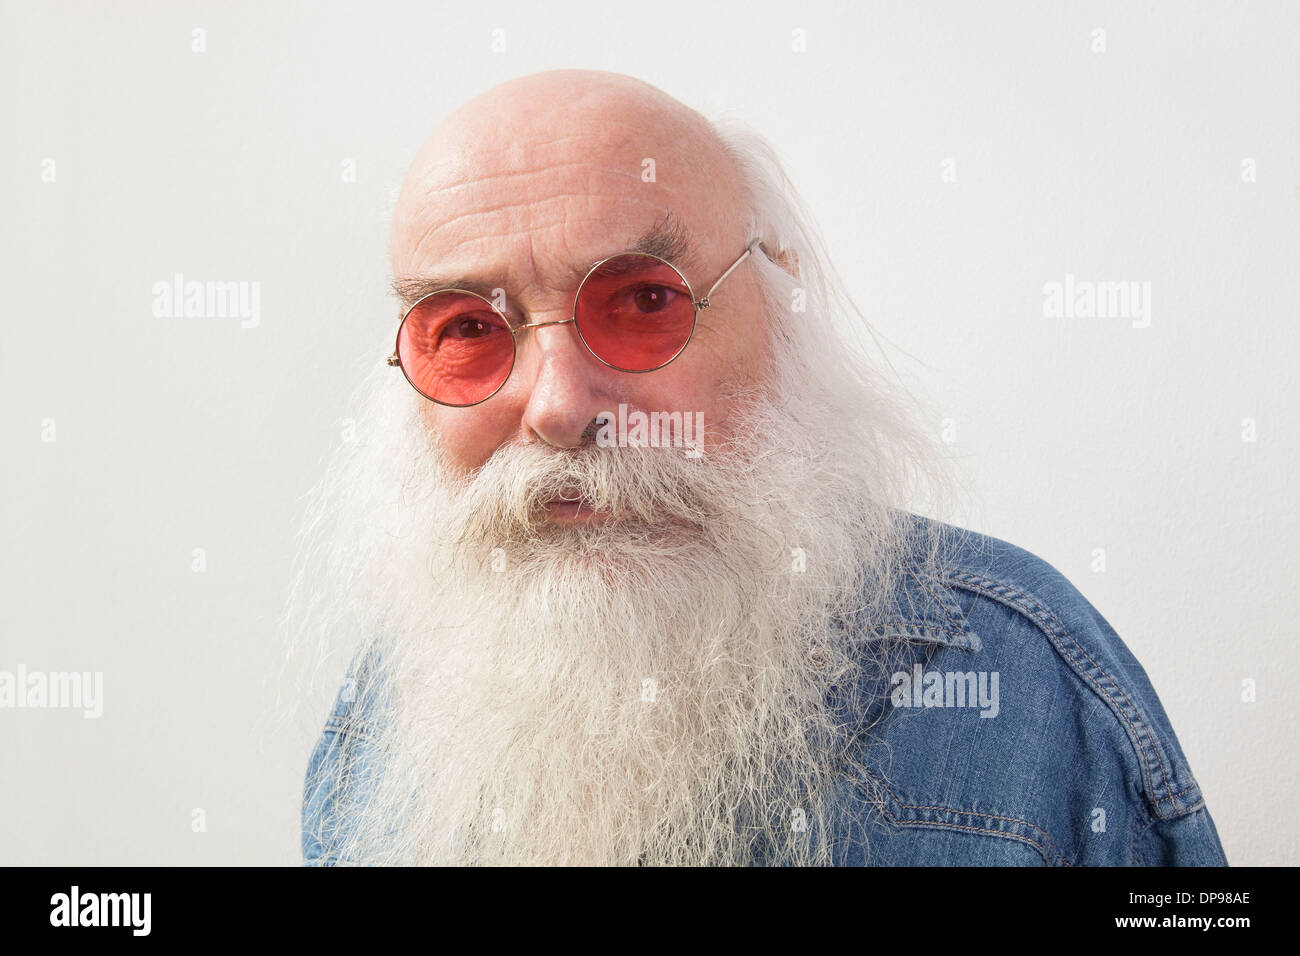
(653,691)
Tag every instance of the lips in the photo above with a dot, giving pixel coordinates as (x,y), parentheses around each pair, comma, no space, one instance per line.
(570,507)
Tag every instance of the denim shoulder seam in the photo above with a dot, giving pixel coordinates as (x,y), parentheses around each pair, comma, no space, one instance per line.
(1142,831)
(1151,757)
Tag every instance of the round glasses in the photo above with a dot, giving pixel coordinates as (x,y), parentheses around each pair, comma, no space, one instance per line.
(634,312)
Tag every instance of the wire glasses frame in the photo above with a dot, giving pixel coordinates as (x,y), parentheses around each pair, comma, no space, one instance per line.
(703,302)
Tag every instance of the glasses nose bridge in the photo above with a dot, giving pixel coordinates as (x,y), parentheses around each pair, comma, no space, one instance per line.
(570,314)
(518,332)
(520,338)
(541,325)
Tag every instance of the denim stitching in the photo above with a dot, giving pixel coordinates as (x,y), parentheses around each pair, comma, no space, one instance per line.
(351,732)
(958,626)
(1145,738)
(1054,630)
(938,824)
(1137,837)
(925,632)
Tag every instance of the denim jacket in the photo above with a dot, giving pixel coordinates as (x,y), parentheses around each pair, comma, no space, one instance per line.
(1018,730)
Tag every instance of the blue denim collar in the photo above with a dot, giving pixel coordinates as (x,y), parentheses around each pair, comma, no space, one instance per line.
(923,608)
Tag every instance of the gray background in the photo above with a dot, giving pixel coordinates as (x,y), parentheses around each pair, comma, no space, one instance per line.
(1073,435)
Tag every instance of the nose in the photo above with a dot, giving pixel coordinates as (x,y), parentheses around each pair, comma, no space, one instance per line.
(568,387)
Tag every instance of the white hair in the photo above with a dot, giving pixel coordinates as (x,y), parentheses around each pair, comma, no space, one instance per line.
(510,657)
(845,350)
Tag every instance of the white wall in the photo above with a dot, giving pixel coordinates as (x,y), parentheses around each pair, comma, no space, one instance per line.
(1075,434)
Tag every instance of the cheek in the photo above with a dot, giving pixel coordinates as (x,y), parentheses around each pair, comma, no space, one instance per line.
(467,435)
(691,389)
(753,337)
(733,356)
(734,344)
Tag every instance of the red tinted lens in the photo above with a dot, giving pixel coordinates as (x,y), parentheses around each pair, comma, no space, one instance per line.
(635,312)
(455,348)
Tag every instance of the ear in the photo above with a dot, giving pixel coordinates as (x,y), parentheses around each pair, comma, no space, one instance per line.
(788,260)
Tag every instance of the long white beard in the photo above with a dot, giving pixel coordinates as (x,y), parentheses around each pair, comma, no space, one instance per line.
(660,690)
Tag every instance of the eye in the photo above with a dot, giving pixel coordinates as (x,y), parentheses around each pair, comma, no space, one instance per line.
(469,327)
(649,297)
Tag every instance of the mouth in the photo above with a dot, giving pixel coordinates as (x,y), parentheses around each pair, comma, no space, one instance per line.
(568,507)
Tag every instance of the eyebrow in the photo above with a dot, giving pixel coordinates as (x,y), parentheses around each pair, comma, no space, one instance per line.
(668,239)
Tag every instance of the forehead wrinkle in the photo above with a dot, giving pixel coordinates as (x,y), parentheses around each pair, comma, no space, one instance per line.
(668,239)
(549,168)
(530,204)
(436,194)
(422,244)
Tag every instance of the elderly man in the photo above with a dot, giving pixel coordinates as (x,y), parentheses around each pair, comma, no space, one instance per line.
(625,539)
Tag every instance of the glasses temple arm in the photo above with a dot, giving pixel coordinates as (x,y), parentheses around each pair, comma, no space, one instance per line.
(704,302)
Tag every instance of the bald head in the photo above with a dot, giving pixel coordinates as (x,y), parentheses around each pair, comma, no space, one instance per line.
(526,186)
(573,146)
